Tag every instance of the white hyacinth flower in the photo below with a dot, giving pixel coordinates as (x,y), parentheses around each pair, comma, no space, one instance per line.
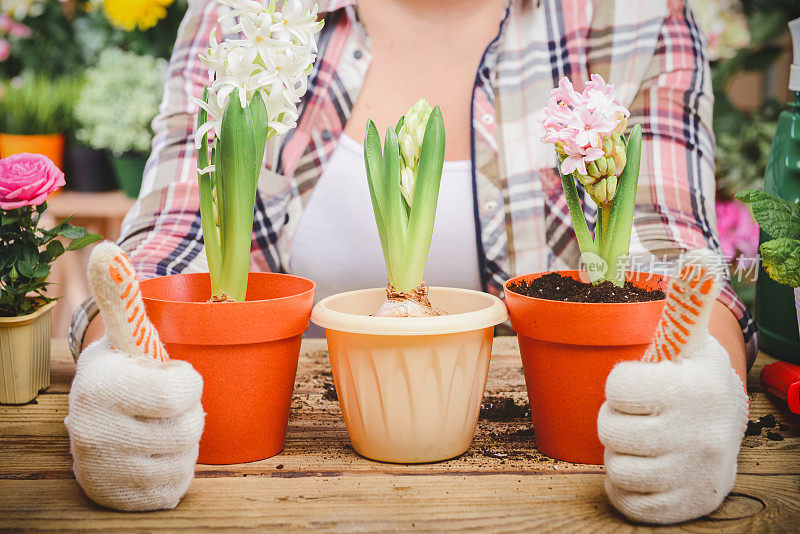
(274,58)
(410,138)
(215,110)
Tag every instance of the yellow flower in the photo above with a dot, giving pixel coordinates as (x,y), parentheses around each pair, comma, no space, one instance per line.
(132,14)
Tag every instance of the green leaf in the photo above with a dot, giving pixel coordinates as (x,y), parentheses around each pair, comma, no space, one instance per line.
(778,217)
(618,234)
(238,161)
(396,220)
(54,249)
(373,161)
(72,232)
(41,271)
(206,188)
(9,217)
(81,242)
(781,260)
(426,196)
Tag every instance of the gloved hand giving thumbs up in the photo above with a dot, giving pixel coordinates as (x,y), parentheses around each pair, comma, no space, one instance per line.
(135,417)
(673,422)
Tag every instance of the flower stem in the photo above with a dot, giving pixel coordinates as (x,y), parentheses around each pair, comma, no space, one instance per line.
(585,243)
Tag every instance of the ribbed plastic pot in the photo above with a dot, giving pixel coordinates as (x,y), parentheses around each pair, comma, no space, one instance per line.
(246,353)
(568,349)
(410,389)
(25,355)
(51,145)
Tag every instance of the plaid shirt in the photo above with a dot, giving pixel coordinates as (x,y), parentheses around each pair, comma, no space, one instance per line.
(651,50)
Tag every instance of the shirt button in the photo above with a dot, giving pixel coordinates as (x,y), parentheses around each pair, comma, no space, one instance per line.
(491,205)
(358,54)
(326,134)
(487,118)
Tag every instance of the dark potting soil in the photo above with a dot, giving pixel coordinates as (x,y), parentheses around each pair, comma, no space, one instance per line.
(768,421)
(503,409)
(329,392)
(774,435)
(553,286)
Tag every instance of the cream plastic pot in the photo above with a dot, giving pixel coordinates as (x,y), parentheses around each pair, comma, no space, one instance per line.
(410,388)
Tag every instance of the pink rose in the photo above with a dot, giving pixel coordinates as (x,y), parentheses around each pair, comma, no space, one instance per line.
(27,179)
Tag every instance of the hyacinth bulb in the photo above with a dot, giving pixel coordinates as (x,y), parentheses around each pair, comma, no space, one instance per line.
(410,138)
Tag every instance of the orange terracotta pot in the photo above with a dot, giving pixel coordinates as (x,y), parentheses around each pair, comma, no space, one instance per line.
(51,145)
(246,353)
(568,349)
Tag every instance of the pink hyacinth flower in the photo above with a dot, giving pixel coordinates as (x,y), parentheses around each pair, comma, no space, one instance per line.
(579,122)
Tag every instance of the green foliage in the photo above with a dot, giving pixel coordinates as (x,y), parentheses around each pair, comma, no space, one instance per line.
(781,259)
(69,36)
(36,104)
(405,231)
(51,47)
(780,219)
(120,98)
(743,150)
(94,33)
(28,251)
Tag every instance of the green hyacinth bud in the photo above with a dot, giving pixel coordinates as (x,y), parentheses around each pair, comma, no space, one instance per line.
(410,139)
(601,176)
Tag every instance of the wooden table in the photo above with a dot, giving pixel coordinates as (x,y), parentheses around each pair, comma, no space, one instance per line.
(319,483)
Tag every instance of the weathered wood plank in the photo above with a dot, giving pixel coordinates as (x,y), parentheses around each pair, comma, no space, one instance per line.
(34,444)
(511,503)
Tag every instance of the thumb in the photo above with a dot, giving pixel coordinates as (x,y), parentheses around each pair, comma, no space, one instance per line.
(689,301)
(114,285)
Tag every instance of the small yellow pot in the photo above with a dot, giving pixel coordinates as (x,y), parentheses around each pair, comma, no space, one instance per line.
(25,355)
(410,389)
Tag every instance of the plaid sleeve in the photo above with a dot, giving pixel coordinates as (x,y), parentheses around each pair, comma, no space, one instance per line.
(675,203)
(162,232)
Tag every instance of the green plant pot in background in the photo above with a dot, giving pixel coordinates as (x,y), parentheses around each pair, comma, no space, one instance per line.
(128,170)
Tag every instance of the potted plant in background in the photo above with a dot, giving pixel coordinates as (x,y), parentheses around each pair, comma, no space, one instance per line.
(240,330)
(86,168)
(780,256)
(28,250)
(563,318)
(409,362)
(34,114)
(126,87)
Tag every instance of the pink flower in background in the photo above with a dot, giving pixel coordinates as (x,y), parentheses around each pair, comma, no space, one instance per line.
(578,123)
(5,49)
(6,23)
(27,179)
(738,232)
(20,31)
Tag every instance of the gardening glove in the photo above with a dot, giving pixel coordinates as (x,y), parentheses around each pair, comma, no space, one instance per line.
(672,423)
(135,417)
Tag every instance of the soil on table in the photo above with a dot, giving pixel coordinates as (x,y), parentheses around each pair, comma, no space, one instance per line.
(503,409)
(553,286)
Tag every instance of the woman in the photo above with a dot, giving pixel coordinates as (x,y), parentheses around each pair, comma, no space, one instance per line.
(490,65)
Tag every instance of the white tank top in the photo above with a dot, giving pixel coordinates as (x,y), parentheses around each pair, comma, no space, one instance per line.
(336,243)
